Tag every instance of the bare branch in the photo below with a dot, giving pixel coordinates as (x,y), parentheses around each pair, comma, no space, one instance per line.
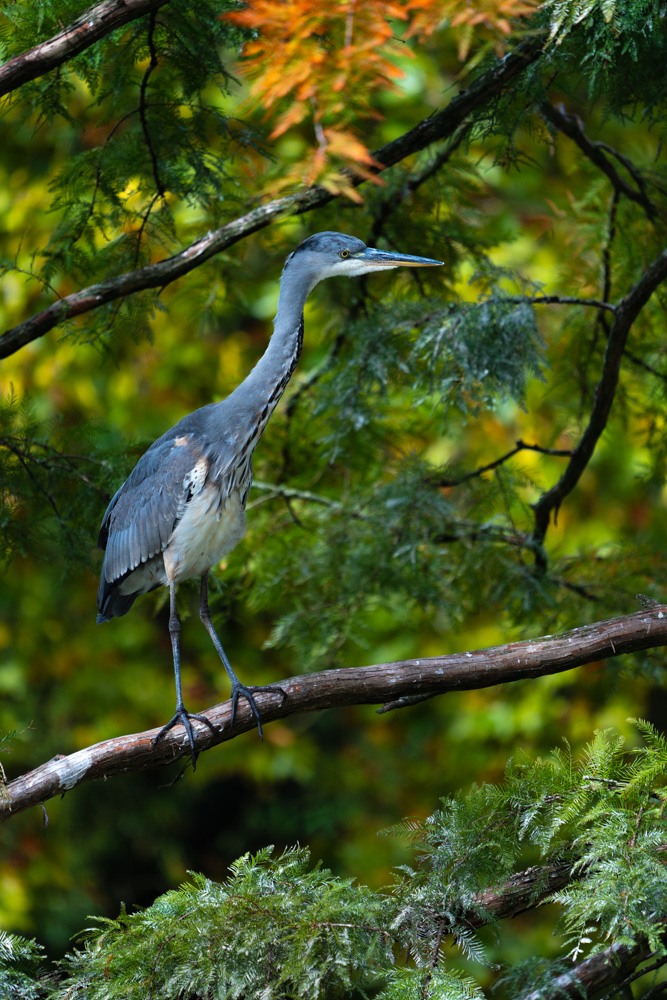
(159,275)
(640,363)
(571,126)
(273,490)
(520,446)
(559,300)
(624,316)
(159,186)
(93,24)
(606,252)
(376,684)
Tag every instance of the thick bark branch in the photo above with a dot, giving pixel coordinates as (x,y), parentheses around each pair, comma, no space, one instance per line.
(625,314)
(354,686)
(593,974)
(523,891)
(158,275)
(93,24)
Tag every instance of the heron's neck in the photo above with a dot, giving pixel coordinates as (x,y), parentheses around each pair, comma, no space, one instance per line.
(266,382)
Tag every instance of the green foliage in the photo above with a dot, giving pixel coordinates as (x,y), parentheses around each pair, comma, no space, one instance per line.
(472,356)
(43,467)
(434,984)
(393,516)
(275,928)
(21,968)
(279,927)
(618,41)
(154,89)
(620,842)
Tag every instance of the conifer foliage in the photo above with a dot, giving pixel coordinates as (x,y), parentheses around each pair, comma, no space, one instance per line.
(280,926)
(465,457)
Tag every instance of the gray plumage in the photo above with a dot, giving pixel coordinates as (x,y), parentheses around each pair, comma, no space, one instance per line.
(182,508)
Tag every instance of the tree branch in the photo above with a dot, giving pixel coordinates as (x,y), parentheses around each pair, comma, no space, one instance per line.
(159,186)
(594,973)
(413,183)
(625,314)
(438,480)
(523,891)
(160,274)
(380,683)
(93,24)
(559,300)
(570,125)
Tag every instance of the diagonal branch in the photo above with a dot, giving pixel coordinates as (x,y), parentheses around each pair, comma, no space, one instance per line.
(413,183)
(376,684)
(570,126)
(625,314)
(593,974)
(158,275)
(93,24)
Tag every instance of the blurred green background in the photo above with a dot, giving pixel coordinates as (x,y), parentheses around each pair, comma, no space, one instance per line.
(335,779)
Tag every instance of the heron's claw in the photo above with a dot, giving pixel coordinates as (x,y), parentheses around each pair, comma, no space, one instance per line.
(182,717)
(248,693)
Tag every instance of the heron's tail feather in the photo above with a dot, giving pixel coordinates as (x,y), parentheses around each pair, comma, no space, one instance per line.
(111,603)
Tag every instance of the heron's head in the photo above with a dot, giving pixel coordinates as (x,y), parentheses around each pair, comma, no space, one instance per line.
(326,255)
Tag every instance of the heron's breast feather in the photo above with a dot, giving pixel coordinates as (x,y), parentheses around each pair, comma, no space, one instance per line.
(211,526)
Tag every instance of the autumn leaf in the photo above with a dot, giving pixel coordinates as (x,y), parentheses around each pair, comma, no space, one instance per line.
(323,61)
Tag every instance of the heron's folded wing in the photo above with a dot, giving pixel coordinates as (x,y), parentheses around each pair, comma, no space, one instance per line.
(144,512)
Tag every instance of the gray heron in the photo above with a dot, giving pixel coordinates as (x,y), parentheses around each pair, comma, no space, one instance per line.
(182,508)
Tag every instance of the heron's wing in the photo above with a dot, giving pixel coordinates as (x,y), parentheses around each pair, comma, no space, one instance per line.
(142,516)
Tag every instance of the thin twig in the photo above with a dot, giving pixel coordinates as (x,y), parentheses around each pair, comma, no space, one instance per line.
(601,321)
(413,183)
(559,300)
(159,186)
(520,446)
(70,468)
(633,842)
(627,163)
(606,253)
(36,277)
(640,363)
(274,490)
(41,489)
(434,960)
(577,588)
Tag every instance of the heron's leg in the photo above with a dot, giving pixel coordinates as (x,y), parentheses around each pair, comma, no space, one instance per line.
(181,714)
(237,687)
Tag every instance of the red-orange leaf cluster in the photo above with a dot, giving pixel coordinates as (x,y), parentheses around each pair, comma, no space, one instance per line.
(322,60)
(318,53)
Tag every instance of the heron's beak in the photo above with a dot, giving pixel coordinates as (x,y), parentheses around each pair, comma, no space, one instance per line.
(386,258)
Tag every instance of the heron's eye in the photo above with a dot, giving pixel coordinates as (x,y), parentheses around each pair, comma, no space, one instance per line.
(345,253)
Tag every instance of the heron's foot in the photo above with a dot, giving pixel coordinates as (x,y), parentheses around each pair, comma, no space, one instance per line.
(249,693)
(182,718)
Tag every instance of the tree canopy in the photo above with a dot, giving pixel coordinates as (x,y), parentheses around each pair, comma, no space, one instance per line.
(464,487)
